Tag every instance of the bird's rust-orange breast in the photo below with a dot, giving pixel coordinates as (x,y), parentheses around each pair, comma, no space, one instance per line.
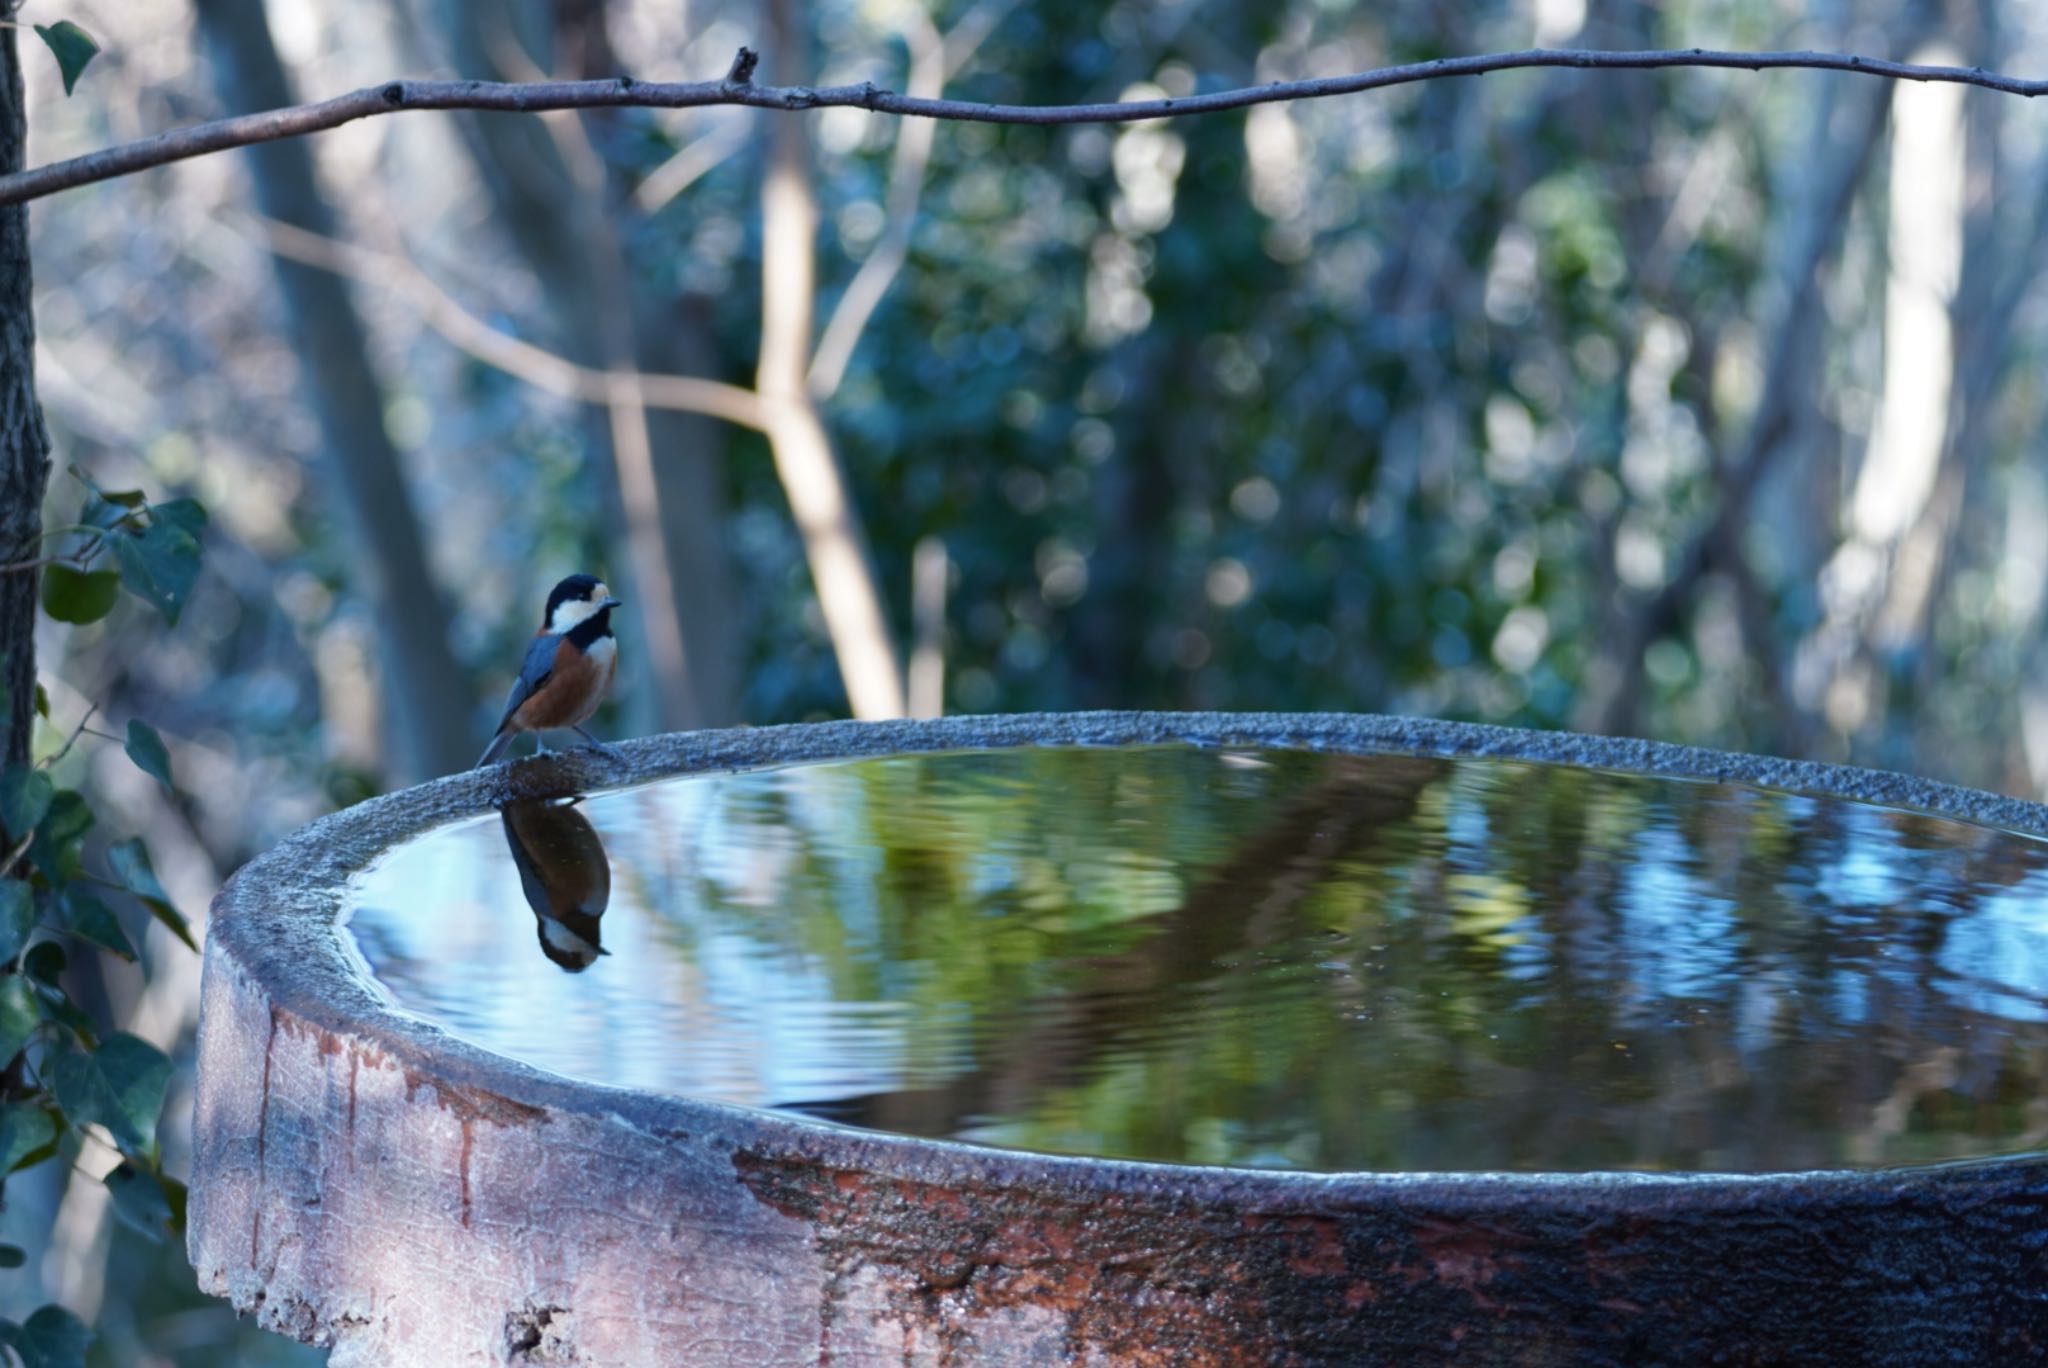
(572,692)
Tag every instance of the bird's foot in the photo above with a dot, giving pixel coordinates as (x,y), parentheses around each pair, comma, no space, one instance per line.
(592,743)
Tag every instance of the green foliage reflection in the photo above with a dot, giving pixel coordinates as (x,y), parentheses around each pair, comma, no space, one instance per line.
(1279,959)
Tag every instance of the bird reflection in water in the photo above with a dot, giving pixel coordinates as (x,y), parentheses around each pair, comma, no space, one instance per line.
(565,875)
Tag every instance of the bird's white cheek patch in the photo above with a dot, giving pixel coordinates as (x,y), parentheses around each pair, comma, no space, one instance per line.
(568,613)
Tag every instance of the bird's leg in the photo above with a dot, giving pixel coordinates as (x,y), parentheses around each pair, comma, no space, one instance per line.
(594,744)
(540,745)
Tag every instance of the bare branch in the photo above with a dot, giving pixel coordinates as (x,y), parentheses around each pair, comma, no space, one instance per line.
(691,163)
(51,761)
(933,58)
(812,477)
(537,366)
(72,558)
(534,97)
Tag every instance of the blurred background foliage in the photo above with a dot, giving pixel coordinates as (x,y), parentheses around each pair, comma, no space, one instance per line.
(1698,405)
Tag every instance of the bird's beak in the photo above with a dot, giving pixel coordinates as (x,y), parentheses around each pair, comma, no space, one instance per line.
(611,603)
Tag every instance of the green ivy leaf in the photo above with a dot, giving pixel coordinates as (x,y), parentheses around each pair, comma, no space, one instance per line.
(79,596)
(66,1013)
(179,1195)
(187,515)
(147,750)
(141,1202)
(73,46)
(127,498)
(53,1338)
(45,963)
(131,861)
(18,1016)
(17,917)
(55,850)
(42,701)
(25,796)
(161,562)
(90,919)
(12,1256)
(120,1086)
(23,1131)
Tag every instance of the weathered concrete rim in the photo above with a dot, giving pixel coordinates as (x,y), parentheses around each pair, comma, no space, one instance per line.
(280,918)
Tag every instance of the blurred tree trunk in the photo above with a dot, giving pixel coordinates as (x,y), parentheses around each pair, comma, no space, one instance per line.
(427,715)
(671,335)
(660,473)
(2004,244)
(1135,496)
(1847,129)
(24,446)
(813,479)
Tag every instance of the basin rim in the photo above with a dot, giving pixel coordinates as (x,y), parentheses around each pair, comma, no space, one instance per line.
(280,918)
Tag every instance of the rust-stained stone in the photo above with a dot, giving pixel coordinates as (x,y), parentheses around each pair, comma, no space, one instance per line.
(364,1180)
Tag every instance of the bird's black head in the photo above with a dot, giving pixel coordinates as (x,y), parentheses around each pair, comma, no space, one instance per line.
(574,599)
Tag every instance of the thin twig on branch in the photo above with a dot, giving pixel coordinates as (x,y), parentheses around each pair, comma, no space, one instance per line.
(516,357)
(533,97)
(690,164)
(934,58)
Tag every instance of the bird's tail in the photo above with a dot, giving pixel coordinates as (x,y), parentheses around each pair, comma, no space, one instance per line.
(496,748)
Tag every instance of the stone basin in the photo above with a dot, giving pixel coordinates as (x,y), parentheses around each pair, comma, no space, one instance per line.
(369,1178)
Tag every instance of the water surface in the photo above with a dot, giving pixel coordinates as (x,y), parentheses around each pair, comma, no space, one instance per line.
(1264,958)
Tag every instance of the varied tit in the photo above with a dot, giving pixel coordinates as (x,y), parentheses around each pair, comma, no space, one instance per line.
(565,876)
(568,667)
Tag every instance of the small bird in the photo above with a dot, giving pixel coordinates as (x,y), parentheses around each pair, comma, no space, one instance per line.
(568,667)
(565,876)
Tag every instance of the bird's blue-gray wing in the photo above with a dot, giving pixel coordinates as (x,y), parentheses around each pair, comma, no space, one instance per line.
(534,672)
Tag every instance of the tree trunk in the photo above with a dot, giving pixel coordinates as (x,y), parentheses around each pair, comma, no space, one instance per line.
(427,717)
(813,478)
(689,477)
(24,445)
(1611,700)
(676,576)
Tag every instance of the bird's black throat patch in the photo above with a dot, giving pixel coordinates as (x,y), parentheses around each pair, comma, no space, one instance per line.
(592,629)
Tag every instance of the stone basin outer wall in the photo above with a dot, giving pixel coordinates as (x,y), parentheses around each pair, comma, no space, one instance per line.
(364,1180)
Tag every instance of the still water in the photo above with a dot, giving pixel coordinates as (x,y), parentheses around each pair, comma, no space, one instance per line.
(1263,958)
